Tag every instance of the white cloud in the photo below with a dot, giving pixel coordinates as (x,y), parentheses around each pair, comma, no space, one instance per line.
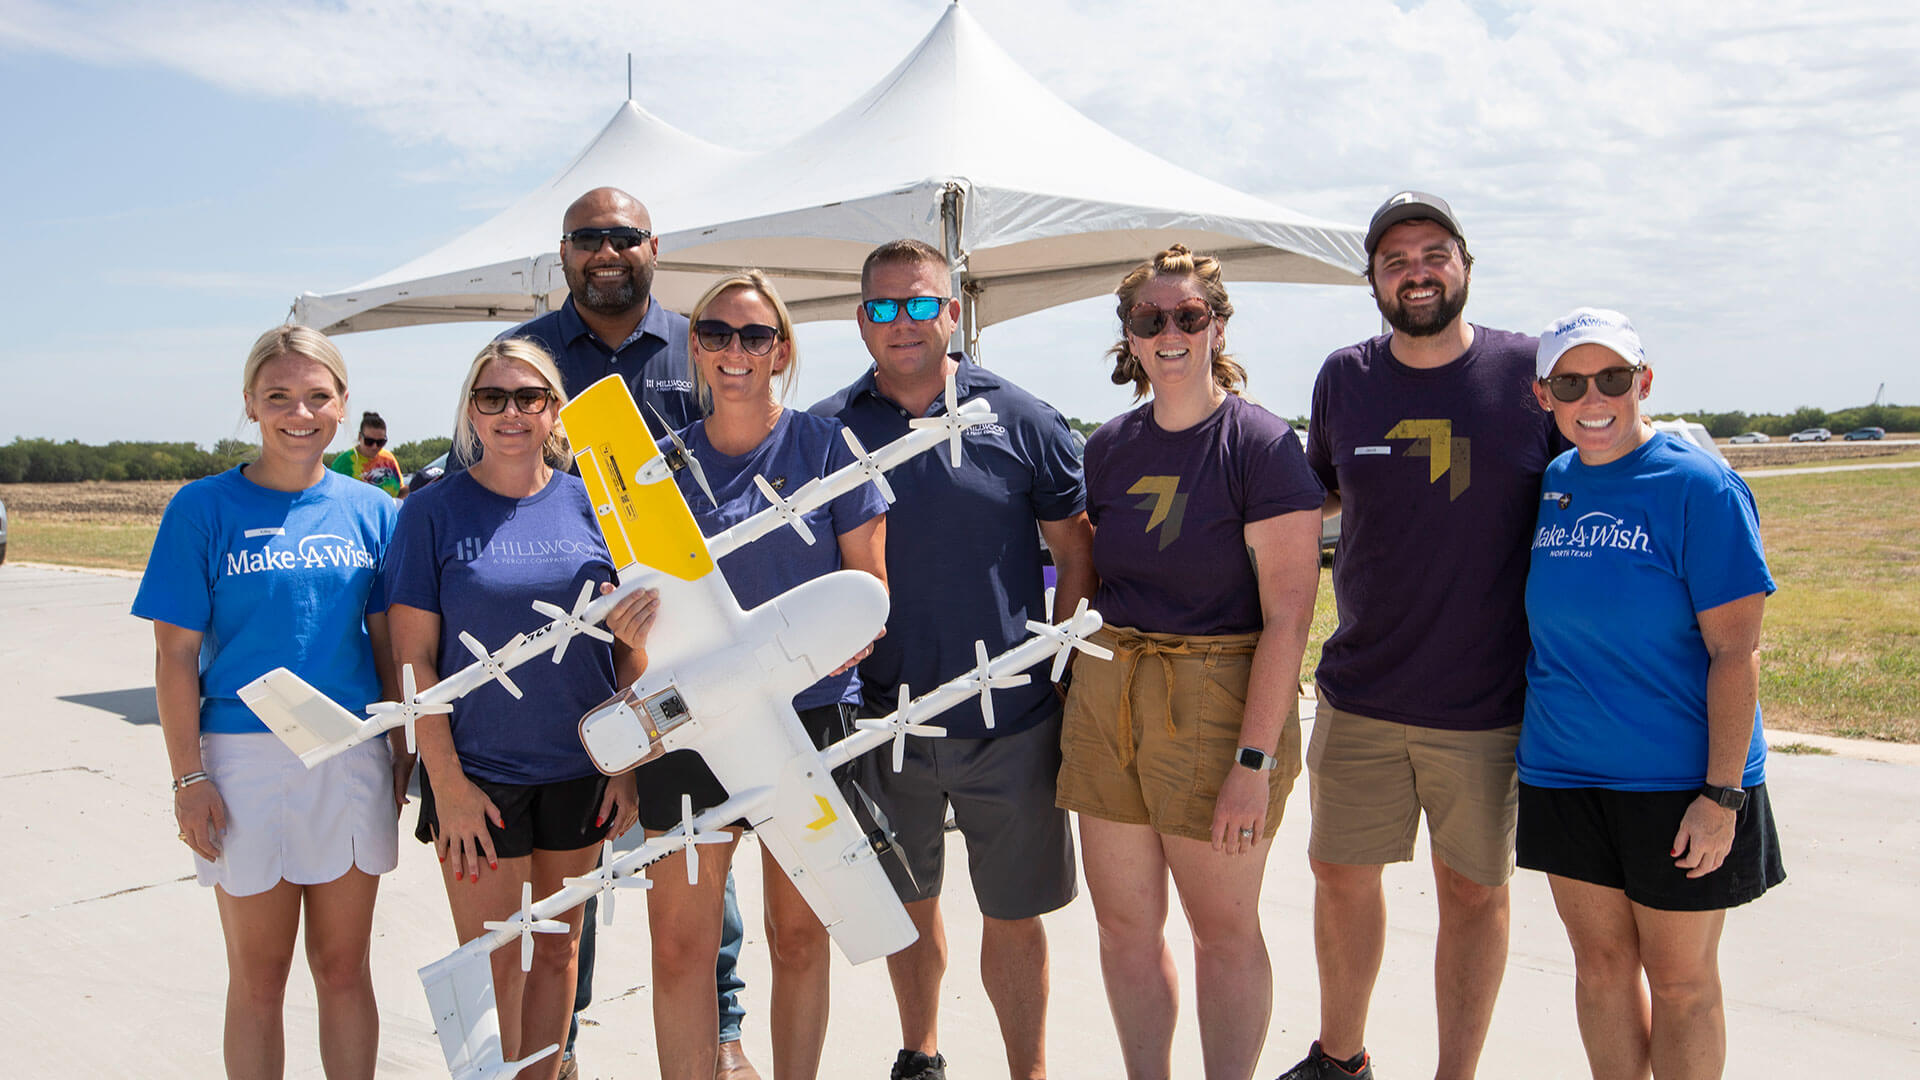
(1736,176)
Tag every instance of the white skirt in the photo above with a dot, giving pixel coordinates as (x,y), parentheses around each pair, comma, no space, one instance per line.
(288,822)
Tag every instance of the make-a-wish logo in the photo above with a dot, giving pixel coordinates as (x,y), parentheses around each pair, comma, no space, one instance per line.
(317,552)
(1590,532)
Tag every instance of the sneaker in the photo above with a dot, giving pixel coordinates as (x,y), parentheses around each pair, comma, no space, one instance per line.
(1318,1066)
(914,1065)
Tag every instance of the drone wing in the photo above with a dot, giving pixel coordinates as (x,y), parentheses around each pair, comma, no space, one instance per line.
(308,721)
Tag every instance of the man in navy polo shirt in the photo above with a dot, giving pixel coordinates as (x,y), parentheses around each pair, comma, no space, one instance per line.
(1431,446)
(609,325)
(963,564)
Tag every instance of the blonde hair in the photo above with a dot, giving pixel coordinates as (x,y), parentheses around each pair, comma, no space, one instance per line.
(529,354)
(1177,261)
(293,340)
(754,280)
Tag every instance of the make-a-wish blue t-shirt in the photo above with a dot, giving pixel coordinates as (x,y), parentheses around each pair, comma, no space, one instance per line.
(1624,557)
(272,579)
(479,560)
(800,448)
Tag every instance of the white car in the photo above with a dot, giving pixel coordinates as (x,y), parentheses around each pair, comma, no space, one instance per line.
(3,532)
(1749,437)
(1812,434)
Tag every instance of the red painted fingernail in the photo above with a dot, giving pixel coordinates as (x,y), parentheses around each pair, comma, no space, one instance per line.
(456,873)
(493,864)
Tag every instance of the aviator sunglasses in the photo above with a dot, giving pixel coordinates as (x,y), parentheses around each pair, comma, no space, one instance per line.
(492,400)
(1612,382)
(756,339)
(623,238)
(1191,315)
(919,308)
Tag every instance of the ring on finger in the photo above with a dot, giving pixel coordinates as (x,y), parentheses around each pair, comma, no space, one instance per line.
(1246,834)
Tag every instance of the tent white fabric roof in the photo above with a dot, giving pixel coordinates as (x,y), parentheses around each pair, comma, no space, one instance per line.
(1035,205)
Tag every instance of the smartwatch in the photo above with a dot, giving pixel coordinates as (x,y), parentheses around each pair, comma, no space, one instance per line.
(1731,798)
(1257,760)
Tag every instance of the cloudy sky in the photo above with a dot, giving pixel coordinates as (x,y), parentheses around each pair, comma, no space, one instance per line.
(1739,177)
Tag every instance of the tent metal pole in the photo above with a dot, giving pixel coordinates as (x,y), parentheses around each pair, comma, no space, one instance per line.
(952,208)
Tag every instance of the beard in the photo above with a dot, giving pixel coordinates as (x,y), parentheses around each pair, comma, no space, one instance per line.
(1428,322)
(611,298)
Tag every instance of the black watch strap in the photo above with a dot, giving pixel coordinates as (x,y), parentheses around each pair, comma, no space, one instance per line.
(1732,798)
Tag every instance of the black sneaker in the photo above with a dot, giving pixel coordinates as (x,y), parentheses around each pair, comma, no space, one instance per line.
(1318,1066)
(914,1065)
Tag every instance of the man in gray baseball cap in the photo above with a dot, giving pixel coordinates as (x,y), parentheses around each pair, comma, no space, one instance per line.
(1430,446)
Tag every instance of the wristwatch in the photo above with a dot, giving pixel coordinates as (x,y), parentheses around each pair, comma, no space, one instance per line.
(1257,760)
(1731,798)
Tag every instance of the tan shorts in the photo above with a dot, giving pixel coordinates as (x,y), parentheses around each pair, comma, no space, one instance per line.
(1369,780)
(1149,735)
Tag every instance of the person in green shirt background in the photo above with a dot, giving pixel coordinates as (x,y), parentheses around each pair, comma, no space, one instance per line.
(368,459)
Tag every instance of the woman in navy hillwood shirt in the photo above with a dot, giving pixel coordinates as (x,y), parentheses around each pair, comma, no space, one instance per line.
(509,796)
(276,563)
(1642,765)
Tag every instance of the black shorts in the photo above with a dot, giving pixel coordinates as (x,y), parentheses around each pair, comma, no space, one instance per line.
(685,772)
(1624,840)
(548,817)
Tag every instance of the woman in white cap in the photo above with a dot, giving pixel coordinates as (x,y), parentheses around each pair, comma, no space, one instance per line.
(1642,764)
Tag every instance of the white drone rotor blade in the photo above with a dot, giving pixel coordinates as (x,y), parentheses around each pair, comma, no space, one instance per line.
(784,509)
(868,465)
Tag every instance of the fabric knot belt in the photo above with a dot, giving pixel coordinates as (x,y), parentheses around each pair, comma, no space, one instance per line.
(1132,645)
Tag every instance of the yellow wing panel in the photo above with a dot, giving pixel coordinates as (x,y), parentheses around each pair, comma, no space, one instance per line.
(643,523)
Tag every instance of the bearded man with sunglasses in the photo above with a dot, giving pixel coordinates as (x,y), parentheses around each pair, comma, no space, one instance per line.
(963,565)
(609,325)
(1430,446)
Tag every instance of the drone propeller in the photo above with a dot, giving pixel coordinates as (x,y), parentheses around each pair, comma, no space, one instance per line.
(1072,634)
(605,882)
(953,421)
(493,662)
(881,839)
(568,624)
(526,925)
(409,707)
(896,722)
(984,682)
(868,465)
(689,836)
(681,457)
(783,509)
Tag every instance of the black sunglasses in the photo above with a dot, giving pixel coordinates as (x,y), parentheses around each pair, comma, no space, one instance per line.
(1612,382)
(919,308)
(373,442)
(623,238)
(756,339)
(492,400)
(1191,315)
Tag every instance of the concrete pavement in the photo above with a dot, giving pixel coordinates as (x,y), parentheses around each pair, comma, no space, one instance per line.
(113,963)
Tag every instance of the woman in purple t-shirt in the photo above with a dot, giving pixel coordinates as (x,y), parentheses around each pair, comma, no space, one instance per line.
(1180,751)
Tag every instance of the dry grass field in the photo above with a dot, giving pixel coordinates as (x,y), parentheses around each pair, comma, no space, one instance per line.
(1841,653)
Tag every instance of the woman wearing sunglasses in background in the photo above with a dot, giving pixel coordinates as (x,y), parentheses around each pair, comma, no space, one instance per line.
(508,794)
(1642,764)
(1180,751)
(369,459)
(276,563)
(743,364)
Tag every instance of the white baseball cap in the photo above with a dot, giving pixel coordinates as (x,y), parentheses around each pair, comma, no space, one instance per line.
(1587,326)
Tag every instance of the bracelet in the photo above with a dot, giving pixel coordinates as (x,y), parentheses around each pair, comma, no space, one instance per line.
(188,780)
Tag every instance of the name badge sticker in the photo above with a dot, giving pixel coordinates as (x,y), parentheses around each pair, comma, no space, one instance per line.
(1364,451)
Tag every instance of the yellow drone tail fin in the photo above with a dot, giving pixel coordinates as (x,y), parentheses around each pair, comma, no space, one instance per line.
(638,505)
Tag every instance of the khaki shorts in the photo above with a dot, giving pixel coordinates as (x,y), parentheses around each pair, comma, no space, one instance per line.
(1149,735)
(1370,779)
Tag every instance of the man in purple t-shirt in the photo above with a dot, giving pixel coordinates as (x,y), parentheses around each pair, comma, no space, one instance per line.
(1431,447)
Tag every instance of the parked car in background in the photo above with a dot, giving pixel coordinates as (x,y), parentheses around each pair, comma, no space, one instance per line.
(427,474)
(1866,433)
(1749,437)
(3,532)
(1812,434)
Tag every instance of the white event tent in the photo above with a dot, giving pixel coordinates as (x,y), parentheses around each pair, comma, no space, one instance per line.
(1034,205)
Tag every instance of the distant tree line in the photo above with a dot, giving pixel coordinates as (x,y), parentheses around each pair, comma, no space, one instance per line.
(1727,424)
(44,461)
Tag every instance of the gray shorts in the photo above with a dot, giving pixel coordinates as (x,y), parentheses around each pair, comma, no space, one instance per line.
(1019,845)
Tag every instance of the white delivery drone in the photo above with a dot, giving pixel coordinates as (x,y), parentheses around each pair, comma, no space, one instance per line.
(719,680)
